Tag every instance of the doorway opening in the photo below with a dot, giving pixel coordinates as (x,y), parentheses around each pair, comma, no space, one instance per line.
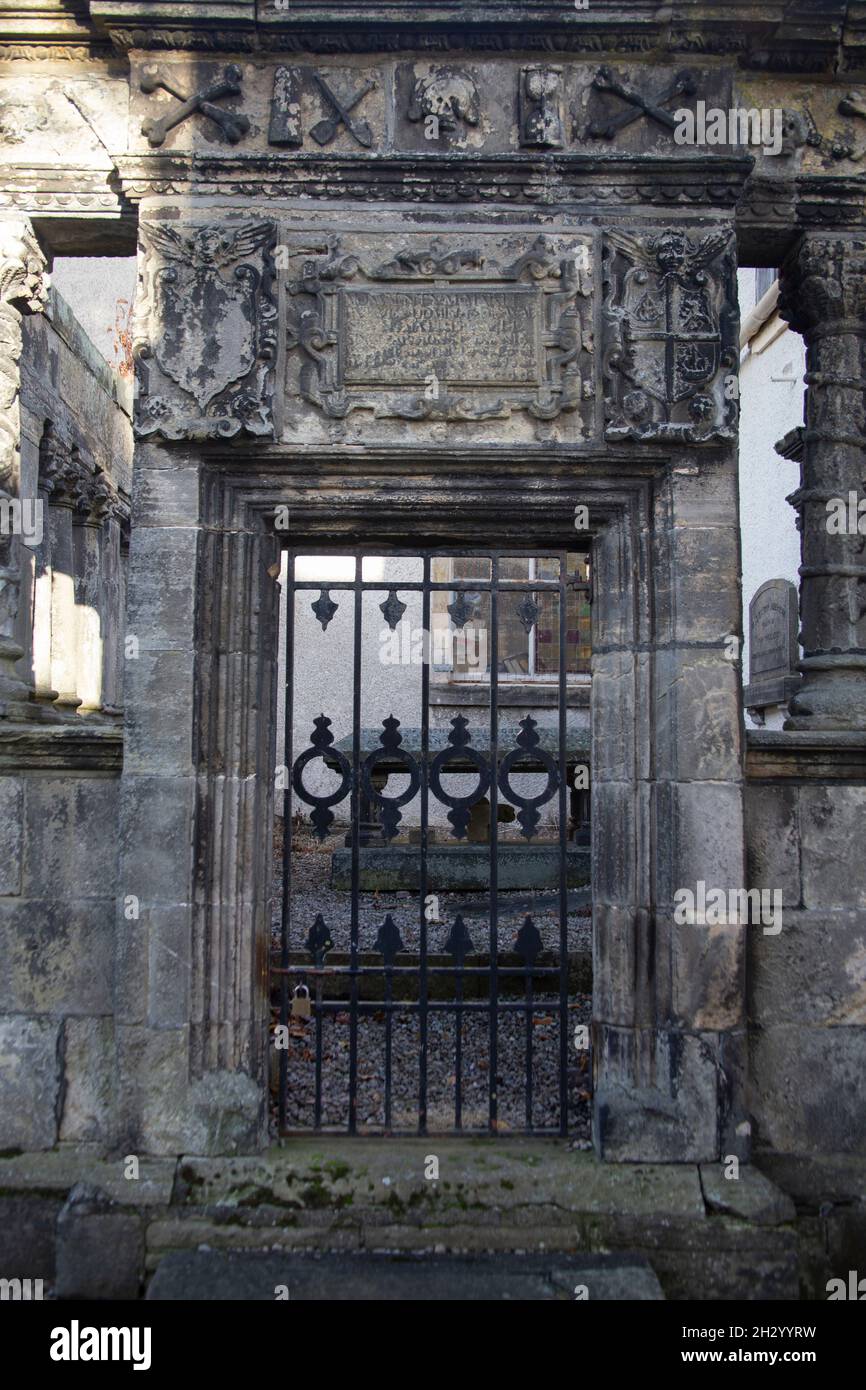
(431,964)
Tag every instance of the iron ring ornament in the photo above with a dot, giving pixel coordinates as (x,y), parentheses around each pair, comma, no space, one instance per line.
(528,742)
(320,741)
(390,739)
(461,806)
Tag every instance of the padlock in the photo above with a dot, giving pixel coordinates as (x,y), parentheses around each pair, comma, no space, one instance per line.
(301,1006)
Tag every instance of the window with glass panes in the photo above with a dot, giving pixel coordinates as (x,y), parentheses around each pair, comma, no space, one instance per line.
(531,654)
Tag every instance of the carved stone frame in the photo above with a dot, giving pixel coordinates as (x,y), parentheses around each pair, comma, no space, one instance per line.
(192,978)
(555,290)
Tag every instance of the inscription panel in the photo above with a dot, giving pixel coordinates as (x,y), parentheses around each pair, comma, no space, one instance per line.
(471,337)
(393,337)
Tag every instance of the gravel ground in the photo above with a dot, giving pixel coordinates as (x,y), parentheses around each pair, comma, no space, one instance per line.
(311,895)
(441,1071)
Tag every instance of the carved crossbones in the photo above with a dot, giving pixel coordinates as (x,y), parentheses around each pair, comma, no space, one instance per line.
(683,85)
(232,126)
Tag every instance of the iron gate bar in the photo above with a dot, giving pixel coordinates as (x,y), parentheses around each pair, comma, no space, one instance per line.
(531,940)
(288,732)
(493,1045)
(356,850)
(563,850)
(425,785)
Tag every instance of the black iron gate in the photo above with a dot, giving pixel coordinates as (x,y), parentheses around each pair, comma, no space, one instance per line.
(352,1013)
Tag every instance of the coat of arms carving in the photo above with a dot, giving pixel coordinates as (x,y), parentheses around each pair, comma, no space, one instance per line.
(206,341)
(670,323)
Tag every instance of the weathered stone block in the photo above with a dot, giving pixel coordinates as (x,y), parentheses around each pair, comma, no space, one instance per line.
(156,835)
(169,946)
(27,1236)
(613,848)
(705,590)
(63,816)
(613,723)
(814,972)
(772,840)
(831,821)
(167,496)
(57,957)
(656,1096)
(751,1195)
(57,1171)
(11,834)
(699,837)
(806,1089)
(100,1251)
(88,1080)
(621,951)
(162,589)
(697,713)
(29,1083)
(708,975)
(158,691)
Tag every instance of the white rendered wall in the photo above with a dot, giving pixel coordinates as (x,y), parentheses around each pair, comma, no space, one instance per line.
(771,404)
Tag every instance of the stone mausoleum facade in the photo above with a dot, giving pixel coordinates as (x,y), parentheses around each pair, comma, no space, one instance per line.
(417,279)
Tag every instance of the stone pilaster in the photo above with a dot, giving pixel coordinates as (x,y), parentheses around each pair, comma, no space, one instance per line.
(64,626)
(91,649)
(823,296)
(21,292)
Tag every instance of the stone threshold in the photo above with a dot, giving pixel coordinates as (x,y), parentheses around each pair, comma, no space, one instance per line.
(703,1235)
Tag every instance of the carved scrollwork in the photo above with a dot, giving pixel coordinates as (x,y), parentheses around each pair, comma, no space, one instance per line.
(442,332)
(207,331)
(670,337)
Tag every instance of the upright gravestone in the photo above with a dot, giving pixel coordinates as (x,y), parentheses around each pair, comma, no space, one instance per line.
(773,677)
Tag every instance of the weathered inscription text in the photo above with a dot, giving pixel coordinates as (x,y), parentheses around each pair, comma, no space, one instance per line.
(483,337)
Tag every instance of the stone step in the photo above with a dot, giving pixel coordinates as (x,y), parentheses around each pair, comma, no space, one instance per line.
(204,1275)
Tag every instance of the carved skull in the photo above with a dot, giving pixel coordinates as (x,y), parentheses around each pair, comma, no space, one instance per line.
(447,94)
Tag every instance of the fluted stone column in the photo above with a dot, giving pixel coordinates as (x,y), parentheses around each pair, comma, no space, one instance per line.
(113,515)
(90,639)
(63,616)
(52,458)
(823,296)
(21,292)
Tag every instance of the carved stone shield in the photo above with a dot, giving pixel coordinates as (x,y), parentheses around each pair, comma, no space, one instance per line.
(208,337)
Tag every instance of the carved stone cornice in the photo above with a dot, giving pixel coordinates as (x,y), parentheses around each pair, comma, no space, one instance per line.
(763,37)
(823,285)
(578,180)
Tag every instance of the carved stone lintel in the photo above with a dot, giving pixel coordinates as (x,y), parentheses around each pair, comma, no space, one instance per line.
(823,296)
(206,331)
(670,319)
